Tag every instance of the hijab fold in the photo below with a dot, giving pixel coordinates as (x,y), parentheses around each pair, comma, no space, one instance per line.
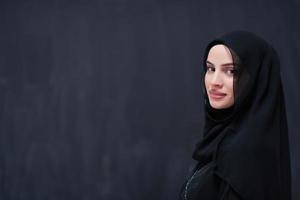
(249,141)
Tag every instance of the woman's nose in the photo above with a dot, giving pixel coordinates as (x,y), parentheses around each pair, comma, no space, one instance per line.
(216,79)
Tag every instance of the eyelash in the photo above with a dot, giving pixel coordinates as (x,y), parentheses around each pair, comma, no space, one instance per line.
(233,71)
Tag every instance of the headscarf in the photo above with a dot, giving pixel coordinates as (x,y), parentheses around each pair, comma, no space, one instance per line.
(249,140)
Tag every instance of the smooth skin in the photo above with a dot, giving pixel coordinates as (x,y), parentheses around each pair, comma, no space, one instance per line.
(219,77)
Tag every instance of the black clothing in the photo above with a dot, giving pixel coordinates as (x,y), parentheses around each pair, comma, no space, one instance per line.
(248,142)
(202,183)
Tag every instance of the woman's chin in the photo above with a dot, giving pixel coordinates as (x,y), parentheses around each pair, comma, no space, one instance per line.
(219,104)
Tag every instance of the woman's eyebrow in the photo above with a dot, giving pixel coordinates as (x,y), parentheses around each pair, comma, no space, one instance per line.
(225,64)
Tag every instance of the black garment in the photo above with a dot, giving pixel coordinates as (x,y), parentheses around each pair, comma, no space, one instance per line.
(202,183)
(248,142)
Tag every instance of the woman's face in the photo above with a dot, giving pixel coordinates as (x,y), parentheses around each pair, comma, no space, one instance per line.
(219,77)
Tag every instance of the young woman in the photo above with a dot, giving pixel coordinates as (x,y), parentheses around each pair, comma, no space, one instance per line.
(244,151)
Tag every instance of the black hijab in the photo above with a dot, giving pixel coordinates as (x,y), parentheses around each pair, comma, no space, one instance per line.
(249,140)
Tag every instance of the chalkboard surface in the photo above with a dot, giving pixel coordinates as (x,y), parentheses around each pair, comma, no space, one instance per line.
(102,99)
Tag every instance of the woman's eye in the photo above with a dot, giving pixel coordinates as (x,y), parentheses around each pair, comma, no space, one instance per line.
(230,71)
(209,68)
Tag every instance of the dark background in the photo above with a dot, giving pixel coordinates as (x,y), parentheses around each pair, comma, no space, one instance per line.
(102,99)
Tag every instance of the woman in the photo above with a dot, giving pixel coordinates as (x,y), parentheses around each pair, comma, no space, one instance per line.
(244,152)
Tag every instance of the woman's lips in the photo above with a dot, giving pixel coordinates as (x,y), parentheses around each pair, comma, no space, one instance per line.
(217,95)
